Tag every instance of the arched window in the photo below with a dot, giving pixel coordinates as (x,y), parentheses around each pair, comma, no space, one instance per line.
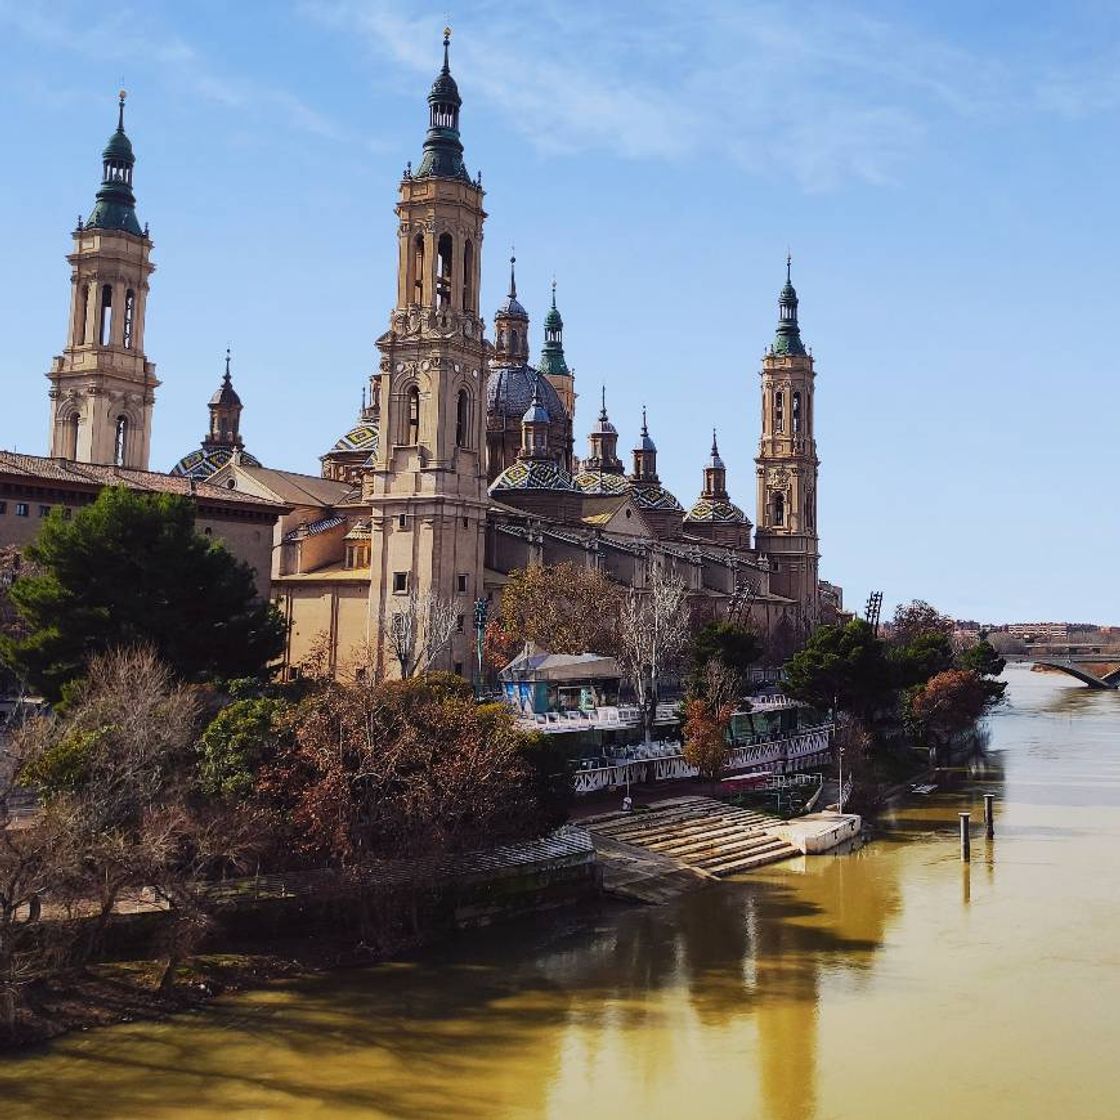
(779,411)
(468,277)
(106,314)
(778,508)
(443,271)
(120,443)
(809,414)
(70,444)
(463,419)
(83,314)
(418,269)
(796,411)
(412,432)
(501,339)
(129,317)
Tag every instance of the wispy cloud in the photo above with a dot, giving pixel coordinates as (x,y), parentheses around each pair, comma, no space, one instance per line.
(124,35)
(820,92)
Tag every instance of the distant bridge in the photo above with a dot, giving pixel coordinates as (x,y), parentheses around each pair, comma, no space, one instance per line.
(1093,671)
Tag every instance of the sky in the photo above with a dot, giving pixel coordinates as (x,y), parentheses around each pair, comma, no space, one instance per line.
(944,175)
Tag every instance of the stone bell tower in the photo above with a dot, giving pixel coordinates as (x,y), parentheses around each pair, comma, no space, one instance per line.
(102,385)
(426,481)
(787,464)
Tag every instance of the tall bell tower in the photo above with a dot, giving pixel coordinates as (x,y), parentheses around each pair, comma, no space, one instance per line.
(426,481)
(102,386)
(787,463)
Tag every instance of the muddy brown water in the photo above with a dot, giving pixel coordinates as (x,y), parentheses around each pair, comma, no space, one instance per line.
(890,982)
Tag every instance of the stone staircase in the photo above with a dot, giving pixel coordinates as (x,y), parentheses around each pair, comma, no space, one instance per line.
(700,833)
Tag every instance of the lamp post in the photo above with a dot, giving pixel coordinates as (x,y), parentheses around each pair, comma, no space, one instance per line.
(481,613)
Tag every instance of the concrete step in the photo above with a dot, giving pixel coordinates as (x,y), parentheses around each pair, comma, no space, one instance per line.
(718,856)
(644,822)
(706,838)
(683,829)
(781,850)
(701,855)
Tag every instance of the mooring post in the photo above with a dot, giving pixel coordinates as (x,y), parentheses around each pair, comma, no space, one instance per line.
(989,815)
(966,851)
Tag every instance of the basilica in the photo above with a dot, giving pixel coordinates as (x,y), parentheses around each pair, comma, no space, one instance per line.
(462,464)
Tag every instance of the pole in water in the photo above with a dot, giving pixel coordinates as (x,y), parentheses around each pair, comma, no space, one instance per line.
(966,852)
(989,815)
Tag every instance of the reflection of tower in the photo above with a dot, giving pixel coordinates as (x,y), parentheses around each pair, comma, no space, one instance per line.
(426,480)
(787,464)
(102,386)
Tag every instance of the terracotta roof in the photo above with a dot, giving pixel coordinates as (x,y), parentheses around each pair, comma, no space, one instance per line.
(298,489)
(41,468)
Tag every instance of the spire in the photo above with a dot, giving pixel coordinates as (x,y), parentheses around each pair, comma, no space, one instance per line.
(534,426)
(511,325)
(115,207)
(443,149)
(553,361)
(715,474)
(645,455)
(225,413)
(512,276)
(787,340)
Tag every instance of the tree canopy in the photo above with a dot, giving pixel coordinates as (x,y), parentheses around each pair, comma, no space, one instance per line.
(130,570)
(843,665)
(563,608)
(733,646)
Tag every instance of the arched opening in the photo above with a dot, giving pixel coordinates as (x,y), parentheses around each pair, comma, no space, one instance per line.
(106,314)
(418,269)
(83,315)
(796,414)
(120,442)
(468,277)
(412,417)
(129,317)
(70,439)
(779,412)
(778,508)
(462,419)
(443,271)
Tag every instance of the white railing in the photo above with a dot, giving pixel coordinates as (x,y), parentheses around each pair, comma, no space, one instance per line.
(790,754)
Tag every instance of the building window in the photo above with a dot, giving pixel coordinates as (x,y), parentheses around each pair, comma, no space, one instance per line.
(3,508)
(443,271)
(466,523)
(120,442)
(468,276)
(106,314)
(129,317)
(22,509)
(83,314)
(458,668)
(460,622)
(70,444)
(418,269)
(779,411)
(402,520)
(412,434)
(778,508)
(44,511)
(462,419)
(796,414)
(400,583)
(461,584)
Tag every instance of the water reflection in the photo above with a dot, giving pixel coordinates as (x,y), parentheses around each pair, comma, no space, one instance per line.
(809,990)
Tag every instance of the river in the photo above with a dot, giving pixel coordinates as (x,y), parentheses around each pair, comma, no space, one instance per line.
(890,982)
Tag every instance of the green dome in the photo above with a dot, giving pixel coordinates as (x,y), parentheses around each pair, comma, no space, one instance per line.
(119,148)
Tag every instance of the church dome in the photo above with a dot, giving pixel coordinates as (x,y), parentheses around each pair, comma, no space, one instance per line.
(652,495)
(201,463)
(718,511)
(119,148)
(597,483)
(363,437)
(509,393)
(533,474)
(226,396)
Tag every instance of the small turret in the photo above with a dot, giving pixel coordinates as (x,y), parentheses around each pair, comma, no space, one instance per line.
(645,455)
(443,149)
(787,340)
(511,325)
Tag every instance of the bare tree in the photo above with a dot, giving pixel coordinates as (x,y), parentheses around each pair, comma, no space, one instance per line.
(653,630)
(420,629)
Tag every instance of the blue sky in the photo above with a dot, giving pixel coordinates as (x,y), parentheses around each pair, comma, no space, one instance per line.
(945,175)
